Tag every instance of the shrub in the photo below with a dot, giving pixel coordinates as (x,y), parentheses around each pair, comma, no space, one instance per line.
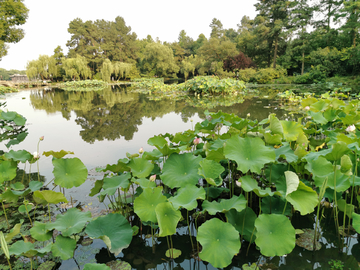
(246,75)
(240,61)
(268,75)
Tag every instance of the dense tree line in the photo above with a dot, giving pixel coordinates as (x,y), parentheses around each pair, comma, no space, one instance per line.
(300,36)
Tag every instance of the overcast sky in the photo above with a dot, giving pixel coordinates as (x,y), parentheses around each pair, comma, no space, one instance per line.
(46,26)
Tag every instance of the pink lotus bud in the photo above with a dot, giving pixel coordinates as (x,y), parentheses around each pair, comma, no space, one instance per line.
(196,141)
(41,138)
(351,128)
(307,108)
(141,150)
(152,178)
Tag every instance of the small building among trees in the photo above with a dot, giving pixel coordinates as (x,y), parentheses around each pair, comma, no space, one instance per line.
(19,78)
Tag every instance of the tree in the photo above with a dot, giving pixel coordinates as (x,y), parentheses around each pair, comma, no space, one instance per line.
(217,30)
(76,68)
(159,60)
(351,13)
(12,14)
(240,61)
(44,68)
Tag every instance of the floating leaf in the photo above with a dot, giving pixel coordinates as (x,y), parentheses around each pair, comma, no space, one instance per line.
(186,197)
(220,242)
(173,253)
(249,153)
(64,247)
(275,235)
(237,203)
(71,222)
(113,229)
(69,172)
(119,265)
(306,240)
(145,204)
(96,266)
(180,170)
(168,218)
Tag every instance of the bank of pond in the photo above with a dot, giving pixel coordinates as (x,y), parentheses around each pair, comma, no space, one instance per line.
(232,191)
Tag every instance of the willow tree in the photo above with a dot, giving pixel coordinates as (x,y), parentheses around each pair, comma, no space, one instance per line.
(187,66)
(121,70)
(106,70)
(76,68)
(44,68)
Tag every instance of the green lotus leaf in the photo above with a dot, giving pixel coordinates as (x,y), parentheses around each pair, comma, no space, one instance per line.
(215,150)
(121,166)
(58,154)
(7,171)
(96,188)
(253,266)
(356,222)
(304,199)
(308,101)
(186,197)
(275,205)
(73,221)
(339,179)
(64,247)
(155,154)
(275,235)
(211,171)
(320,105)
(22,248)
(318,118)
(286,152)
(220,242)
(237,203)
(292,182)
(306,240)
(145,204)
(96,266)
(118,265)
(140,167)
(143,182)
(272,138)
(330,115)
(250,184)
(45,250)
(9,196)
(14,231)
(243,222)
(180,170)
(20,155)
(168,218)
(50,196)
(292,130)
(19,120)
(346,208)
(249,153)
(40,232)
(47,265)
(320,167)
(24,209)
(35,185)
(345,163)
(111,184)
(275,125)
(337,151)
(173,253)
(8,115)
(162,145)
(69,172)
(17,186)
(113,229)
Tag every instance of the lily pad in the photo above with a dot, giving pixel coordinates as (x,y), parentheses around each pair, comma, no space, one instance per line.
(220,242)
(145,204)
(69,172)
(96,266)
(306,240)
(173,253)
(20,155)
(180,170)
(113,229)
(249,153)
(119,265)
(275,235)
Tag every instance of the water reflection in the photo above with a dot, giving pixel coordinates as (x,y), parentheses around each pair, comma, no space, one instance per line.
(114,113)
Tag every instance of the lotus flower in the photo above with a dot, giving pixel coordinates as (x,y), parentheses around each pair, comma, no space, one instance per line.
(196,141)
(351,128)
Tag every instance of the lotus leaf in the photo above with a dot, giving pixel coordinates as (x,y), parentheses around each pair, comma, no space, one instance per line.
(69,172)
(17,186)
(345,164)
(23,209)
(220,242)
(304,199)
(64,247)
(9,196)
(250,184)
(58,154)
(121,166)
(35,185)
(346,208)
(8,116)
(286,152)
(292,182)
(337,151)
(162,145)
(318,118)
(249,153)
(320,167)
(243,222)
(95,266)
(173,253)
(292,130)
(211,171)
(215,150)
(275,205)
(14,231)
(356,222)
(168,218)
(341,180)
(7,171)
(237,203)
(111,184)
(253,266)
(119,265)
(113,229)
(96,188)
(46,265)
(20,155)
(180,170)
(272,138)
(143,182)
(275,235)
(72,222)
(306,240)
(22,248)
(145,204)
(186,197)
(49,196)
(320,105)
(140,167)
(40,231)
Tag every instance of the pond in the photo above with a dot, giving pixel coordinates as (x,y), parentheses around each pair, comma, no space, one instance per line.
(102,127)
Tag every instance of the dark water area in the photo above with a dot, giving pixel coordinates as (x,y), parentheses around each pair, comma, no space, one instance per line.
(101,127)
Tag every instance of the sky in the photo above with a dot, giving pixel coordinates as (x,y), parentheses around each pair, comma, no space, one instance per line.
(46,26)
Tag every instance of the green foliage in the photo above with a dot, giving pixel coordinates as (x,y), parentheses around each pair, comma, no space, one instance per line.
(87,85)
(44,68)
(76,68)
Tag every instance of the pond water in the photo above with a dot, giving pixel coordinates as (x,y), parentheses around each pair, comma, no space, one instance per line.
(101,127)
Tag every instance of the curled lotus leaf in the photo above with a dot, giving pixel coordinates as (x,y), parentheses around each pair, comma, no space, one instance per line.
(211,171)
(186,197)
(304,199)
(57,154)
